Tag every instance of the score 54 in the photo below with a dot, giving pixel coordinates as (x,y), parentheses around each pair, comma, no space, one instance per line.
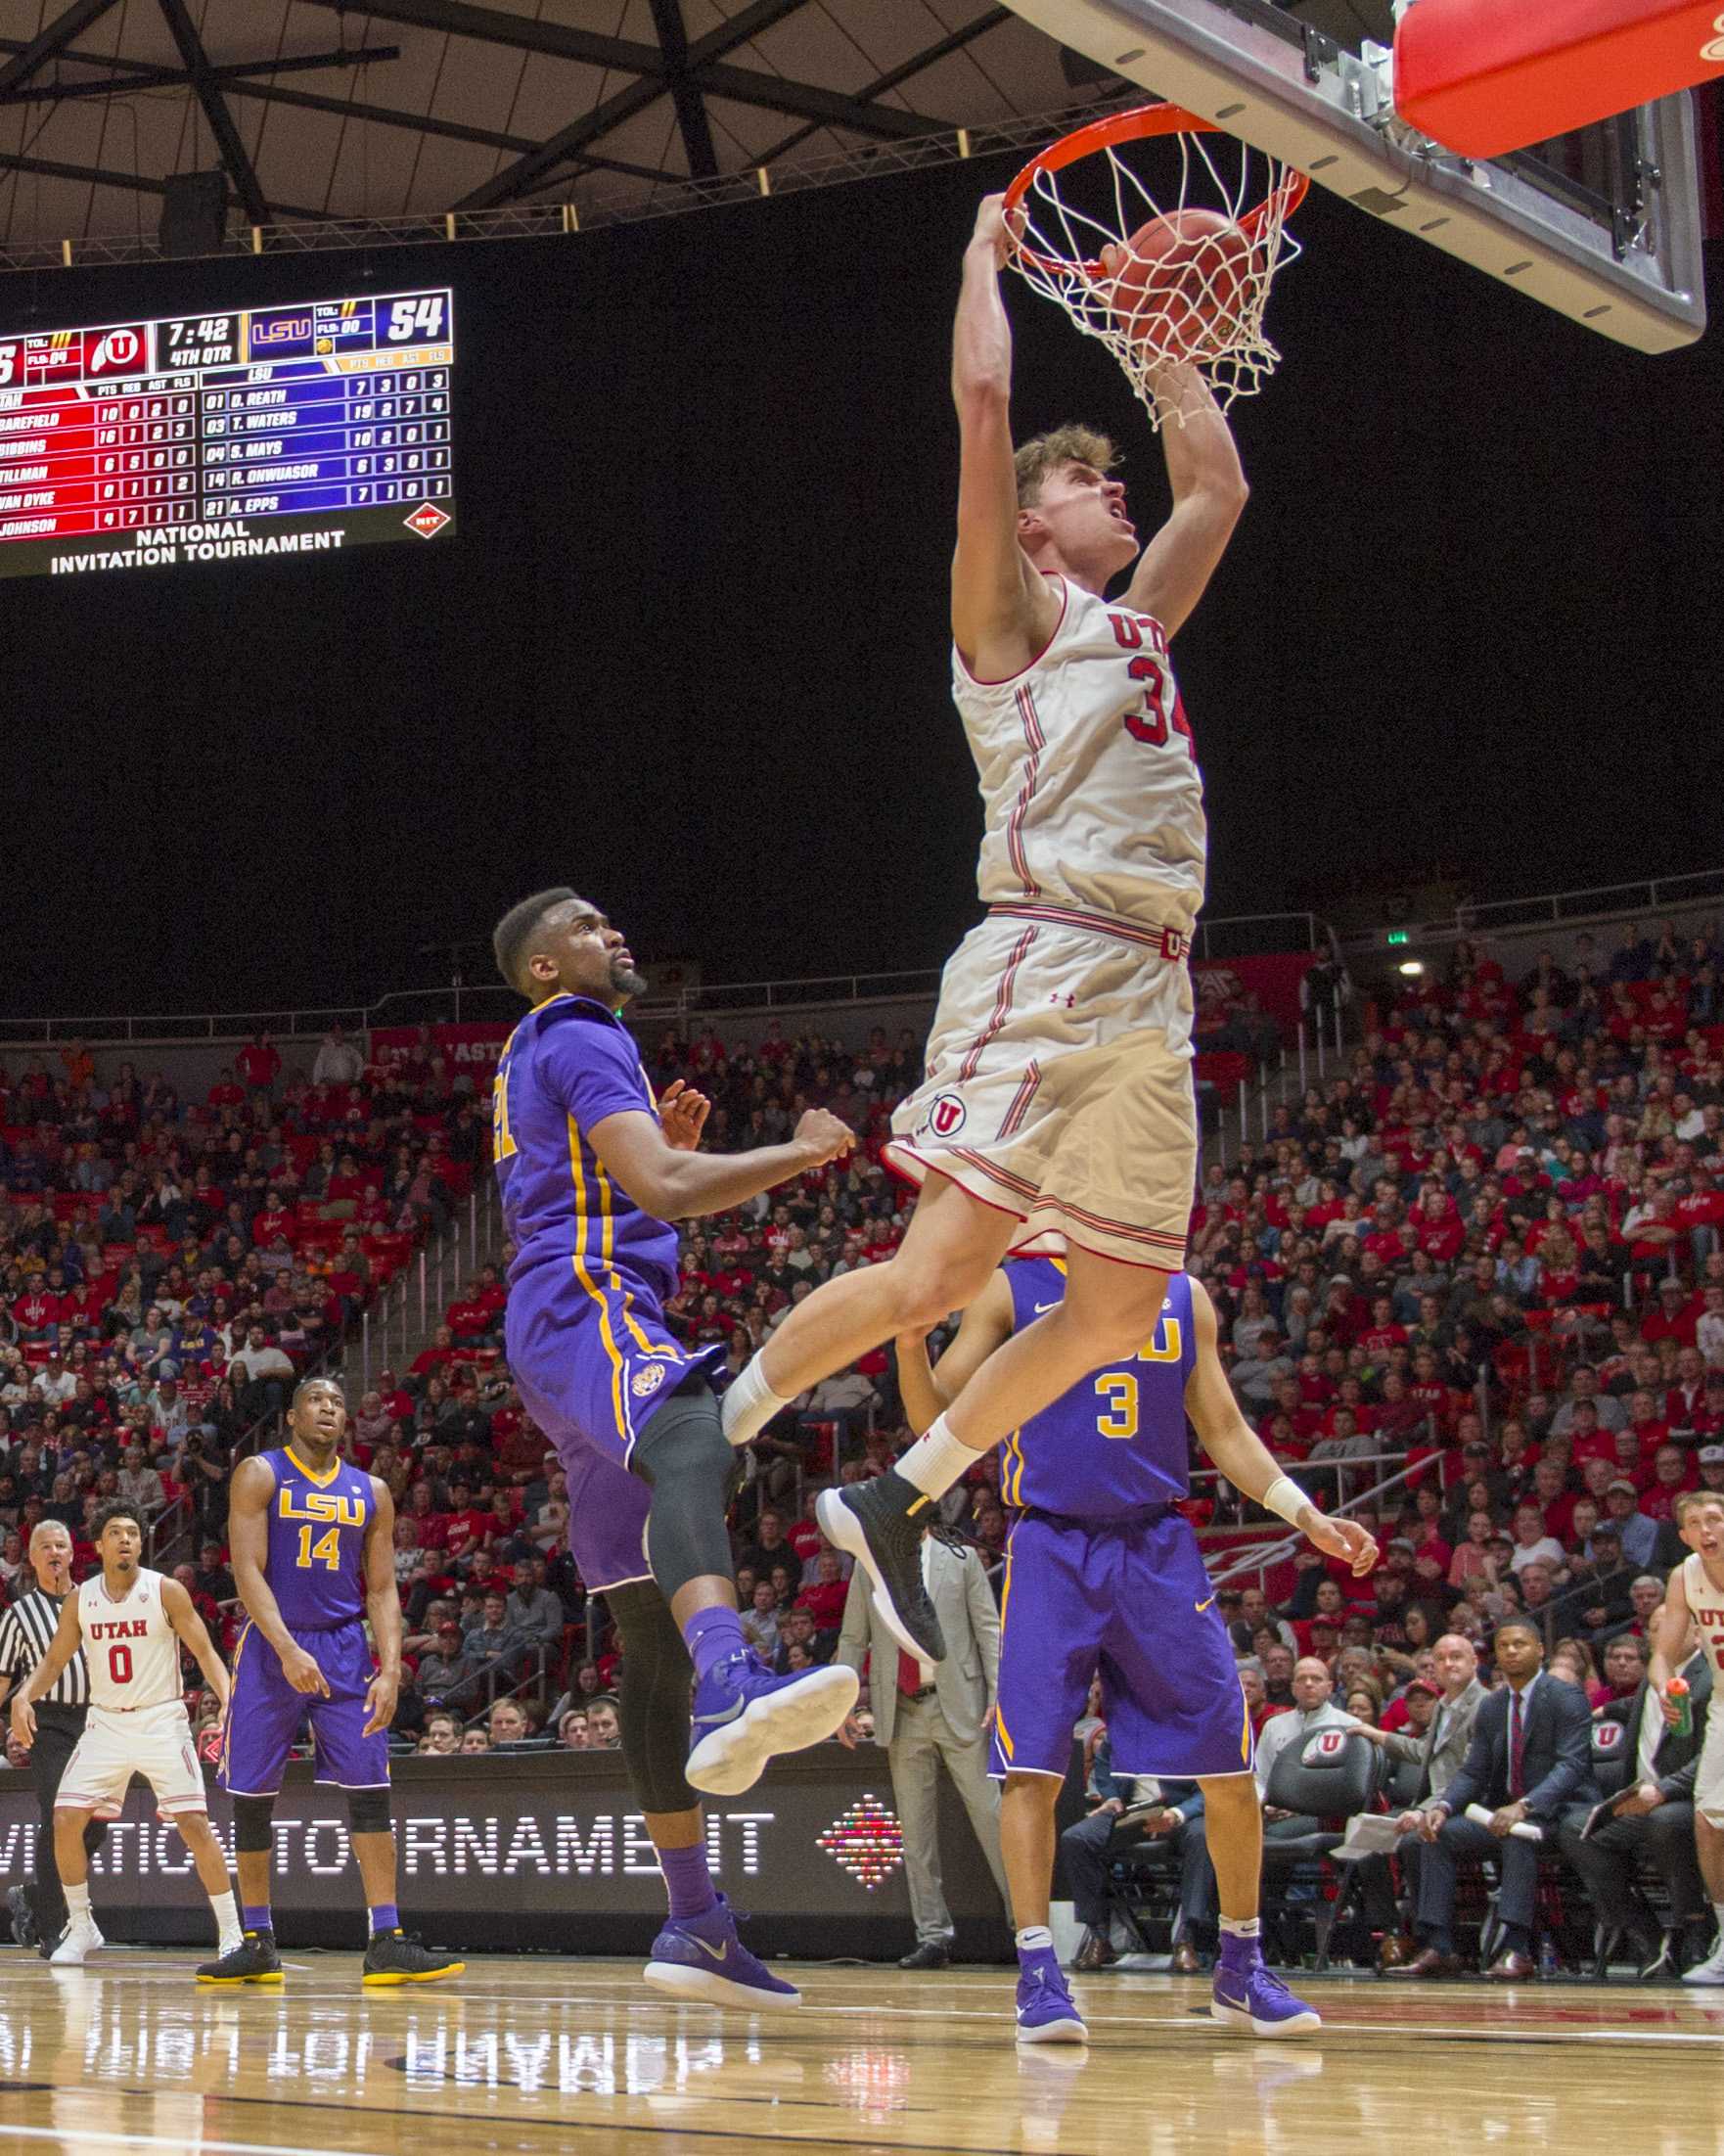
(420,316)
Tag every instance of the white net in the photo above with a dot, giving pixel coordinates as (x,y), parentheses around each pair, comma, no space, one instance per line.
(1164,248)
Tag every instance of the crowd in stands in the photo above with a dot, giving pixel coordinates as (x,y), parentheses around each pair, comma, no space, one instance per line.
(1480,1263)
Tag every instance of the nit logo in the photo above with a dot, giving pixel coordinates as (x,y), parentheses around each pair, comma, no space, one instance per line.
(947,1116)
(1327,1744)
(281,331)
(428,520)
(866,1841)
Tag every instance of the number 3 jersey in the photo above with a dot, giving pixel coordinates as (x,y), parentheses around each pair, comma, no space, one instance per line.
(1093,800)
(1117,1441)
(316,1562)
(131,1648)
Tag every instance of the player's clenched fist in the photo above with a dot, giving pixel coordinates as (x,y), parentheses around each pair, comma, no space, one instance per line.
(1344,1538)
(823,1137)
(303,1672)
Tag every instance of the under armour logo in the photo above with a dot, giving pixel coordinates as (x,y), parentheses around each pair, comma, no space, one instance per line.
(1067,1002)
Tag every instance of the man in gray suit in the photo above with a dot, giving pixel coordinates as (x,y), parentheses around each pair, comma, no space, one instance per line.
(929,1712)
(1440,1751)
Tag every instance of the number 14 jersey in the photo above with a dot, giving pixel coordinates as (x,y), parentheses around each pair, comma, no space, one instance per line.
(316,1561)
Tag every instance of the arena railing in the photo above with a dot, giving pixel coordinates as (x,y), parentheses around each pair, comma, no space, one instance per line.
(1239,1564)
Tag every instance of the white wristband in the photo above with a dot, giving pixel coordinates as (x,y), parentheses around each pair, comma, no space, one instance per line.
(1285,1498)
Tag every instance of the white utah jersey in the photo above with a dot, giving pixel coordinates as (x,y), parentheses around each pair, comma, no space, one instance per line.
(1091,791)
(132,1650)
(1705,1603)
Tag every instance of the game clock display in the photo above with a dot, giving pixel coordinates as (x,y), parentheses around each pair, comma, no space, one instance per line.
(288,430)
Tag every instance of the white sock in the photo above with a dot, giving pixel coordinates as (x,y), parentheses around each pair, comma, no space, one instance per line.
(1242,1927)
(227,1918)
(1034,1936)
(1717,1911)
(937,1460)
(77,1902)
(750,1404)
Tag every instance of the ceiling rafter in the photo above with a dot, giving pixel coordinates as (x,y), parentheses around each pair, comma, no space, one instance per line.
(235,157)
(127,78)
(54,37)
(685,93)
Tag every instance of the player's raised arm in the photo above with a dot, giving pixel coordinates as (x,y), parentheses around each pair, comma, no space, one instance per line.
(182,1613)
(1210,491)
(1003,611)
(1245,1460)
(69,1636)
(929,1389)
(382,1605)
(674,1183)
(247,1534)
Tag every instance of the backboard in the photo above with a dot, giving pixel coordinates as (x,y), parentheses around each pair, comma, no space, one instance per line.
(1603,225)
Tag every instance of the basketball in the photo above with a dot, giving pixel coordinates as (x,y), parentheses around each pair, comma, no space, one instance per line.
(1182,281)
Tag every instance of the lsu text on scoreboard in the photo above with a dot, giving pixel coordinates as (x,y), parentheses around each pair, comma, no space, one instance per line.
(294,429)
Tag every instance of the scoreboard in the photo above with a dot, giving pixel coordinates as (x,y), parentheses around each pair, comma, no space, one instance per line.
(293,430)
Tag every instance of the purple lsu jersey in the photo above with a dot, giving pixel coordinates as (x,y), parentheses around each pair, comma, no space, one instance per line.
(567,1066)
(317,1524)
(1116,1440)
(584,1330)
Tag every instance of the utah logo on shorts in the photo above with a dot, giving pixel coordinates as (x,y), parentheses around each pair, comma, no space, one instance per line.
(646,1382)
(945,1119)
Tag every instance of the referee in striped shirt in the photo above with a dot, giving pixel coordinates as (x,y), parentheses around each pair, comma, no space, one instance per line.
(26,1629)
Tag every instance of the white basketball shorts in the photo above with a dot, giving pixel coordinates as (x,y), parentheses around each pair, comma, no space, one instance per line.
(1709,1778)
(1059,1083)
(152,1741)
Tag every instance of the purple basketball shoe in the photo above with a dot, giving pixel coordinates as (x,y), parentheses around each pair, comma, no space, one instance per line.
(1250,1996)
(1047,2013)
(701,1958)
(744,1715)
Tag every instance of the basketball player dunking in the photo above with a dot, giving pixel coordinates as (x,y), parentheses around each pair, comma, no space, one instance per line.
(1058,1113)
(313,1545)
(129,1622)
(1102,1572)
(1695,1593)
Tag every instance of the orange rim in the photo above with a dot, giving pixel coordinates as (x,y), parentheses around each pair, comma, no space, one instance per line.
(1136,125)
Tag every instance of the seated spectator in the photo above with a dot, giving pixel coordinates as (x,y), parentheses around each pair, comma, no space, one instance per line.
(603,1730)
(446,1671)
(442,1732)
(507,1723)
(474,1741)
(571,1729)
(1528,1760)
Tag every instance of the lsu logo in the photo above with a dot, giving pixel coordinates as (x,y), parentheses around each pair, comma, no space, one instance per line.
(647,1381)
(946,1118)
(1327,1744)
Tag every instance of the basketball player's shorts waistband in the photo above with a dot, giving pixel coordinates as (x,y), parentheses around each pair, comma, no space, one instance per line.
(1171,944)
(1093,1524)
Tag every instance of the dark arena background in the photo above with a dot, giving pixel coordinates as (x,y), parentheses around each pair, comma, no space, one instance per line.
(678,635)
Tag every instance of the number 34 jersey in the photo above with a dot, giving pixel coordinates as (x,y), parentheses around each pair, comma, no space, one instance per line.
(1116,1440)
(131,1648)
(316,1561)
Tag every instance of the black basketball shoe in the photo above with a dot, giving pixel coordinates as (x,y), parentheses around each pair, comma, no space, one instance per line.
(881,1523)
(394,1958)
(254,1961)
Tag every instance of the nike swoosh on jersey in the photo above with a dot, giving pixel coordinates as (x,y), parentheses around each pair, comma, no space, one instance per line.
(1044,1306)
(1202,1606)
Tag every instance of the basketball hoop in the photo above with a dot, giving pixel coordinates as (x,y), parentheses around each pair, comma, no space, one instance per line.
(1161,277)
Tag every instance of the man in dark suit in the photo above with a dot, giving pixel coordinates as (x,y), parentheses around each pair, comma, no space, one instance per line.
(1529,1761)
(1656,1821)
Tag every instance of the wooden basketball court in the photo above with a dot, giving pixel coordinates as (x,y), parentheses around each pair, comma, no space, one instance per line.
(550,2055)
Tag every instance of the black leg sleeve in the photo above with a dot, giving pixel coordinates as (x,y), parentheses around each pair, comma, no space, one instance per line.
(653,1710)
(687,1462)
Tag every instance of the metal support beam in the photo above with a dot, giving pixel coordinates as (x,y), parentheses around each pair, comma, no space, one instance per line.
(54,37)
(139,76)
(980,28)
(134,183)
(691,109)
(221,121)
